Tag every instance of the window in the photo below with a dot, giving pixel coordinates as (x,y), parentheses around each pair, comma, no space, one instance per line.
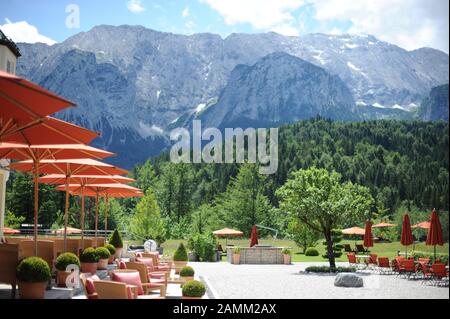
(8,66)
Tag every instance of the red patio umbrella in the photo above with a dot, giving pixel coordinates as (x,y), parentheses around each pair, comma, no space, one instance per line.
(407,238)
(71,167)
(254,236)
(35,154)
(434,236)
(107,191)
(368,240)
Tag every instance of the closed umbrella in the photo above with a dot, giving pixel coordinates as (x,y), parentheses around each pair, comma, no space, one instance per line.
(368,240)
(434,236)
(407,238)
(71,177)
(254,236)
(35,154)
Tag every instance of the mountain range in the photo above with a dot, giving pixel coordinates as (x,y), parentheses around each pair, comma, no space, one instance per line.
(134,84)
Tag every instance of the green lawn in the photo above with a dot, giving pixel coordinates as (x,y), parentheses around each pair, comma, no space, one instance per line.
(385,249)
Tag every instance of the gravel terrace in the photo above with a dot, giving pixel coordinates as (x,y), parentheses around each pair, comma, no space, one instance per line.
(227,281)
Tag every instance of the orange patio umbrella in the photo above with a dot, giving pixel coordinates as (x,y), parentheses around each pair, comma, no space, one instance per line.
(68,230)
(69,167)
(10,231)
(368,240)
(422,225)
(384,225)
(36,154)
(354,231)
(227,232)
(107,191)
(83,180)
(434,236)
(407,238)
(23,103)
(254,236)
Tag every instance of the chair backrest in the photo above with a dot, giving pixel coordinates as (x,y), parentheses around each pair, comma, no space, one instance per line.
(438,269)
(409,265)
(99,243)
(87,242)
(9,258)
(72,245)
(111,290)
(141,268)
(373,258)
(424,260)
(347,248)
(58,247)
(15,240)
(46,250)
(85,281)
(383,262)
(351,258)
(360,248)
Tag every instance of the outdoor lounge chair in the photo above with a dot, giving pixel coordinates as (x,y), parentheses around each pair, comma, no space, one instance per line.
(396,263)
(88,285)
(155,278)
(383,265)
(157,264)
(408,268)
(151,269)
(9,258)
(361,250)
(348,248)
(118,290)
(140,279)
(436,272)
(352,260)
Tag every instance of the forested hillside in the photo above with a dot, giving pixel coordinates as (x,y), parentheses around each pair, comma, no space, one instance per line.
(402,163)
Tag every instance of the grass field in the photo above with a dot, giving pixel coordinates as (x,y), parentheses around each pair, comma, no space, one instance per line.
(382,249)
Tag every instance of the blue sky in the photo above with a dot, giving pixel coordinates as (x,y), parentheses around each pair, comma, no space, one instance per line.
(407,23)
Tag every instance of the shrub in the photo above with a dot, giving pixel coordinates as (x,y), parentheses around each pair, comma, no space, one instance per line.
(180,253)
(237,250)
(33,269)
(89,255)
(66,259)
(286,251)
(441,257)
(193,288)
(116,239)
(103,253)
(187,271)
(311,252)
(111,248)
(326,269)
(204,246)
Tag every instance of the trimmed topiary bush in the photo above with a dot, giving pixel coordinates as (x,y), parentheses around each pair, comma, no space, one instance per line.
(33,269)
(66,259)
(286,251)
(326,269)
(187,272)
(237,250)
(311,252)
(116,239)
(193,288)
(111,248)
(103,253)
(181,253)
(89,255)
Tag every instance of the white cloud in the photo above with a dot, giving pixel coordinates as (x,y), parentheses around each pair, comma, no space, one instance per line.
(261,15)
(410,24)
(22,31)
(185,12)
(135,6)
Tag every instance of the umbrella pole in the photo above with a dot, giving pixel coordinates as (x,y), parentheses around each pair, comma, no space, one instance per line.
(36,204)
(66,215)
(106,217)
(82,217)
(96,217)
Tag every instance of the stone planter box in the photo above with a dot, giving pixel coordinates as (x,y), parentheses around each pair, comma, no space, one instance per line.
(258,255)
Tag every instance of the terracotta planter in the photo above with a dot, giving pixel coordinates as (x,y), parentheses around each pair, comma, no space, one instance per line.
(183,297)
(102,264)
(61,277)
(287,259)
(89,267)
(118,253)
(32,290)
(236,259)
(179,265)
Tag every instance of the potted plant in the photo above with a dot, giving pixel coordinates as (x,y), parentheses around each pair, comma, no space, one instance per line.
(61,263)
(103,255)
(112,251)
(116,241)
(286,256)
(187,273)
(180,258)
(33,274)
(89,259)
(193,289)
(236,255)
